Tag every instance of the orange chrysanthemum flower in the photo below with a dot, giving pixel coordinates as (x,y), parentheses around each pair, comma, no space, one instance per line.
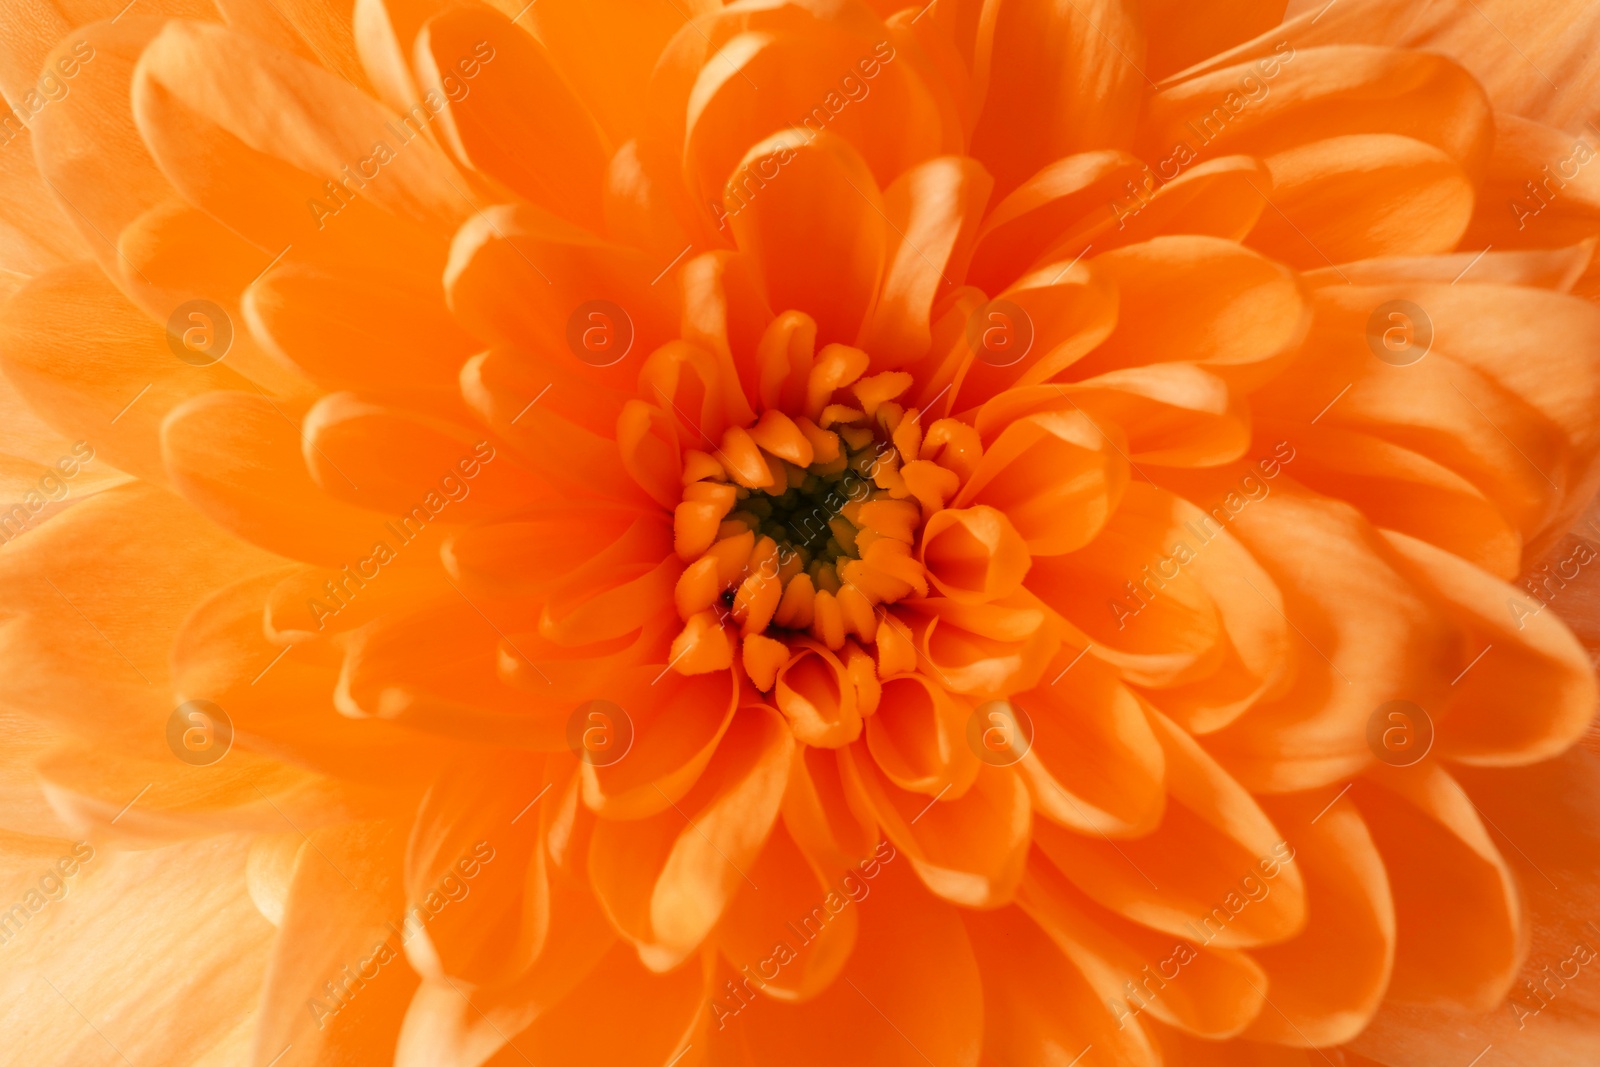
(798,532)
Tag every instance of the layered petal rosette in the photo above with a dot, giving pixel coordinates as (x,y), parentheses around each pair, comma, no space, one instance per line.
(798,532)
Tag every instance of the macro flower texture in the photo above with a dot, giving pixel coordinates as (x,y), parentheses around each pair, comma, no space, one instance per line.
(652,533)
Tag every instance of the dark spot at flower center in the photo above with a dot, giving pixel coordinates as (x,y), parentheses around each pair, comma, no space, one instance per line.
(809,518)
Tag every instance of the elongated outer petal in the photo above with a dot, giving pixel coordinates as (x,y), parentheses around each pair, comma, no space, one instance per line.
(251,134)
(934,210)
(1058,81)
(1460,923)
(508,112)
(1548,1017)
(817,230)
(911,991)
(194,973)
(1038,1007)
(1212,831)
(104,612)
(337,979)
(96,368)
(1328,981)
(665,881)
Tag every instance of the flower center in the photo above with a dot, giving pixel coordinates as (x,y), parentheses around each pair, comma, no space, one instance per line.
(801,528)
(783,549)
(809,520)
